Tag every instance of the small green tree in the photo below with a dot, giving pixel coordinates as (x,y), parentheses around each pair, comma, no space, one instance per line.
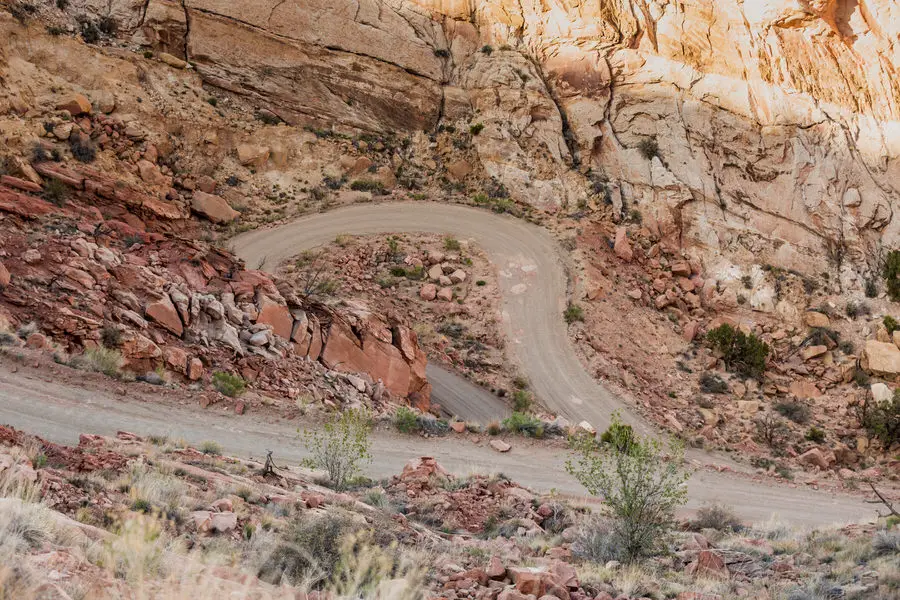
(892,274)
(340,446)
(743,354)
(640,485)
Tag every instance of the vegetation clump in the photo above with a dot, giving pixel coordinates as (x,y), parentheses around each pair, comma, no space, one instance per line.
(742,353)
(642,485)
(340,446)
(229,384)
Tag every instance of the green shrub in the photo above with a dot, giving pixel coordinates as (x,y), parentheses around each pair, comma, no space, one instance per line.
(573,313)
(476,128)
(111,336)
(815,435)
(524,424)
(891,324)
(481,283)
(522,401)
(398,271)
(486,49)
(148,54)
(212,101)
(743,354)
(228,384)
(881,420)
(618,435)
(892,274)
(340,446)
(494,428)
(406,420)
(368,185)
(642,485)
(871,288)
(210,448)
(795,411)
(142,506)
(857,309)
(452,244)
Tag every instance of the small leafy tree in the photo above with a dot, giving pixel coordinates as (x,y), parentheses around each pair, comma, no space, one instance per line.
(228,384)
(340,446)
(744,354)
(881,419)
(640,486)
(405,420)
(892,274)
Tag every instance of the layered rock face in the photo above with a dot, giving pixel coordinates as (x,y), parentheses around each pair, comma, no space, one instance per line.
(765,131)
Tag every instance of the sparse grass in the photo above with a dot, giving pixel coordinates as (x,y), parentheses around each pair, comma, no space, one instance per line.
(452,244)
(522,401)
(368,185)
(101,360)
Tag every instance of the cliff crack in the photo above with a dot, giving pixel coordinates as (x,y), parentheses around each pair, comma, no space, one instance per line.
(278,5)
(187,30)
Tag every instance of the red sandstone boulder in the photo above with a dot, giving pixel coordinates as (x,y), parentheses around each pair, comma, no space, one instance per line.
(277,315)
(162,311)
(213,208)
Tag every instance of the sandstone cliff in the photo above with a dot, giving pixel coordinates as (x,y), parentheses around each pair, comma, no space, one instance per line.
(777,122)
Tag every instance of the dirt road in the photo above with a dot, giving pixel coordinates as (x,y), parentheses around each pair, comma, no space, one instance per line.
(532,274)
(47,403)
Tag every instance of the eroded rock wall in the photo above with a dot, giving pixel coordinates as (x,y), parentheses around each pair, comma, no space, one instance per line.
(777,122)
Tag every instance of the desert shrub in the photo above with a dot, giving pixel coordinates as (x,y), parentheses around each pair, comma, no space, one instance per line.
(521,401)
(524,424)
(599,541)
(823,336)
(56,192)
(857,309)
(573,313)
(494,428)
(618,436)
(744,354)
(892,274)
(210,448)
(815,435)
(716,516)
(771,430)
(648,148)
(111,336)
(62,4)
(797,412)
(886,542)
(101,360)
(711,383)
(559,519)
(861,378)
(228,384)
(340,446)
(486,49)
(891,324)
(83,149)
(309,551)
(476,128)
(406,420)
(452,244)
(368,185)
(641,483)
(881,420)
(871,288)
